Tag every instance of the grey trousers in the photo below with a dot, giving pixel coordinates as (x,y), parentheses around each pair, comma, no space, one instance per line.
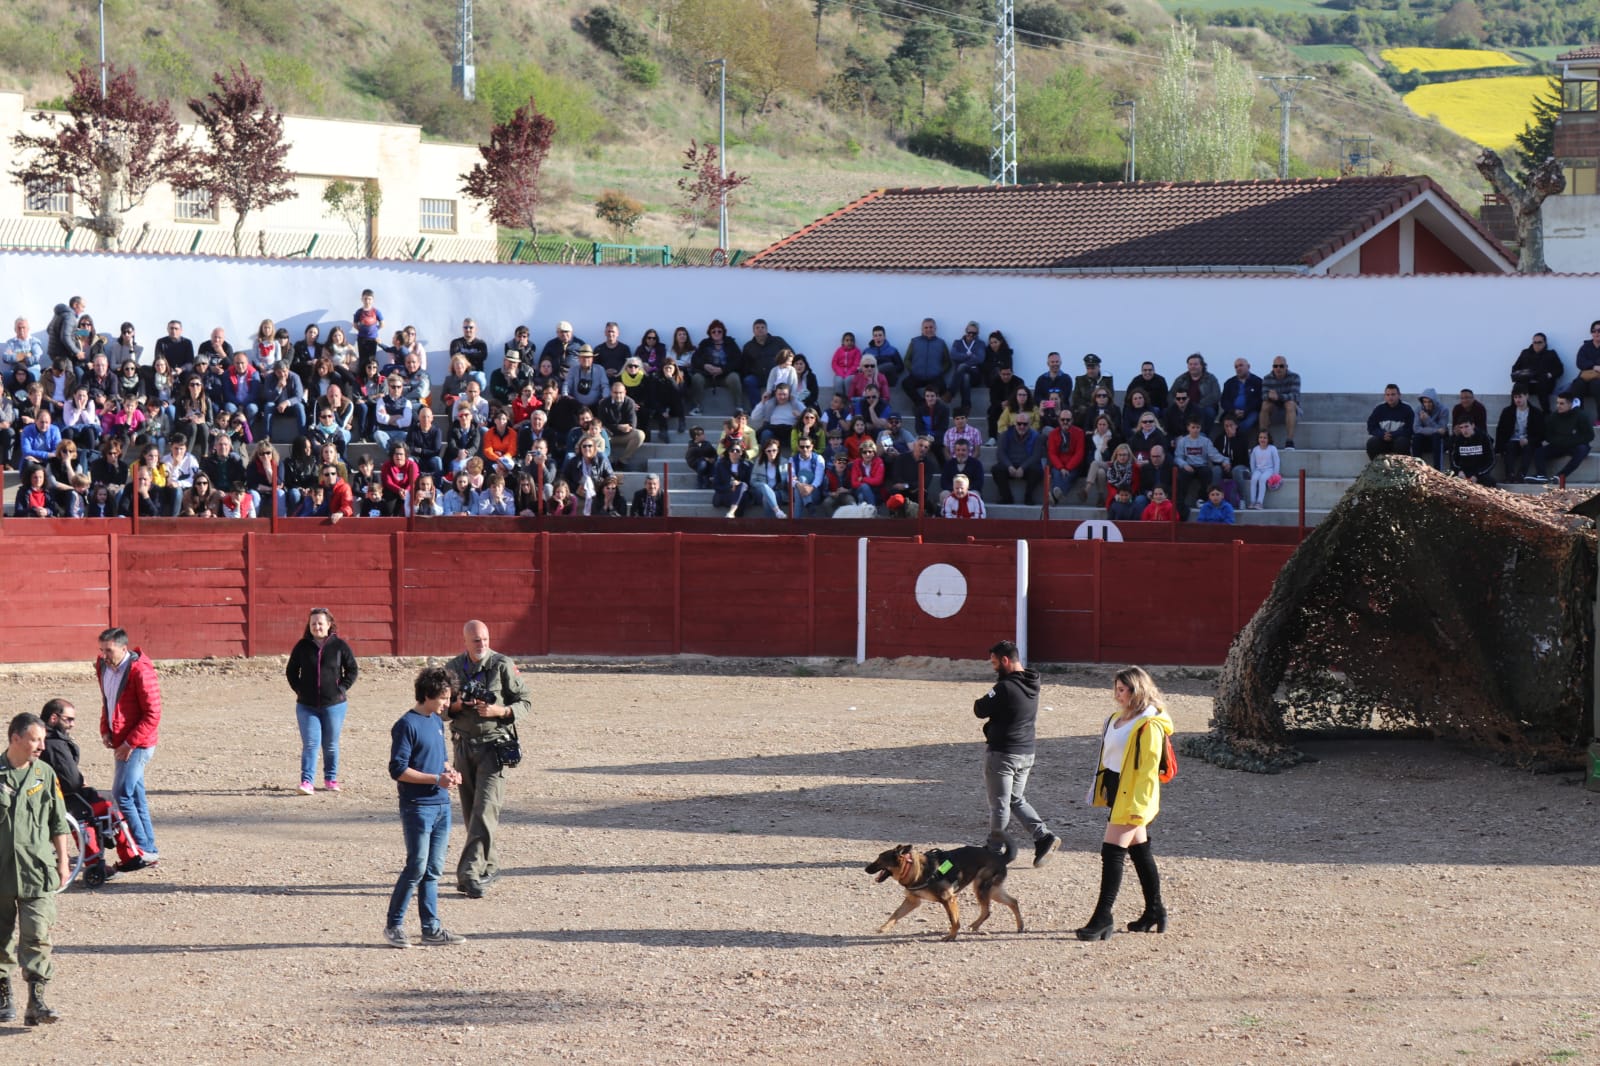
(1005,778)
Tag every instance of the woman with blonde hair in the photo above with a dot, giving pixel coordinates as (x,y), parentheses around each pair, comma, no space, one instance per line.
(1127,780)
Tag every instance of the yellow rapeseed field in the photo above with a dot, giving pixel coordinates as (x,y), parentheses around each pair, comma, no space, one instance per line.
(1486,111)
(1429,60)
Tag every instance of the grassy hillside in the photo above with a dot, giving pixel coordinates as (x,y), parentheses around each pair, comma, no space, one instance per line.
(625,122)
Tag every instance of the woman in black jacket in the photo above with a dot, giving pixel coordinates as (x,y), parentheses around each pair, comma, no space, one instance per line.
(321,670)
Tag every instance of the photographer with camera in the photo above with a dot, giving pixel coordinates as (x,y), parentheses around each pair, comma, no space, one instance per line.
(490,695)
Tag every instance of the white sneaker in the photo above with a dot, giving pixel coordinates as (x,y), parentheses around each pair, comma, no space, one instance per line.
(733,512)
(781,514)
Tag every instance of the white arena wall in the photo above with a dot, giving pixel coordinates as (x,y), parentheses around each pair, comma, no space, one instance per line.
(1343,334)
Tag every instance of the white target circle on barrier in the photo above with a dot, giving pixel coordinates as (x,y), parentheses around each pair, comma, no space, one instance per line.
(941,590)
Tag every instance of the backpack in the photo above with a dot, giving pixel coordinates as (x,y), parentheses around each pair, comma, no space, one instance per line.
(1169,757)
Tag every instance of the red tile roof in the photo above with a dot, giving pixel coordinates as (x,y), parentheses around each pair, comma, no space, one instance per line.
(1241,225)
(1588,51)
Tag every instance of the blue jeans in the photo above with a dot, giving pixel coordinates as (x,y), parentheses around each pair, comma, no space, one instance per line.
(753,384)
(320,727)
(769,499)
(1005,779)
(962,377)
(1062,480)
(427,832)
(127,790)
(864,494)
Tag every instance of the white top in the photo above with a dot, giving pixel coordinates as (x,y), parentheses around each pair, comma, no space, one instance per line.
(1114,748)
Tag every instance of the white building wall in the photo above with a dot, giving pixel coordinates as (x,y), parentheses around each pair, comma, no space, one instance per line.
(1343,334)
(320,151)
(1572,233)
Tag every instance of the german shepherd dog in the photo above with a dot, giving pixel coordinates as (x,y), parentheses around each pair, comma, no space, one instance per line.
(937,876)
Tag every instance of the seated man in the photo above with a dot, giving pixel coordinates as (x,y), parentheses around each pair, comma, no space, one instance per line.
(225,469)
(84,803)
(562,349)
(1567,431)
(586,382)
(963,461)
(648,501)
(1389,426)
(1020,457)
(915,472)
(890,364)
(1470,408)
(1053,382)
(777,415)
(1518,433)
(1084,389)
(808,474)
(1064,450)
(620,416)
(283,397)
(1471,453)
(24,350)
(1242,396)
(470,345)
(1280,392)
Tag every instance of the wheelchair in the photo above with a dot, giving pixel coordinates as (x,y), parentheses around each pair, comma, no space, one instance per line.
(93,831)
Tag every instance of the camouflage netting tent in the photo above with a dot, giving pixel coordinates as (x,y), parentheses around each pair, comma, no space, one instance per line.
(1422,603)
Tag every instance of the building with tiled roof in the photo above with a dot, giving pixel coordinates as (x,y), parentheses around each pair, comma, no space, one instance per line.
(1571,220)
(1384,225)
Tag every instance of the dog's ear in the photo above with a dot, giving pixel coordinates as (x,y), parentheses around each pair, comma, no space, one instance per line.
(903,849)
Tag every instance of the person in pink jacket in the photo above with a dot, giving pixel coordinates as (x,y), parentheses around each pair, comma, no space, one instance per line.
(846,361)
(130,715)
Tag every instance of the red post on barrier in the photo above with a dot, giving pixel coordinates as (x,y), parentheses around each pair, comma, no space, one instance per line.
(666,499)
(1172,529)
(272,504)
(1301,531)
(133,487)
(922,498)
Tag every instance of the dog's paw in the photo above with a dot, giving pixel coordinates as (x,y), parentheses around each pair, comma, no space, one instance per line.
(885,927)
(948,937)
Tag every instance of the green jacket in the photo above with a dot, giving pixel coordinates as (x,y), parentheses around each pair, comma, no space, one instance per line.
(1567,431)
(32,813)
(503,679)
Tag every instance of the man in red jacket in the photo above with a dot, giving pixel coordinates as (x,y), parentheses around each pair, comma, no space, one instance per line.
(130,713)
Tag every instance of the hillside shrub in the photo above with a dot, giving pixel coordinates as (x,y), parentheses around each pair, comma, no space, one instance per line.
(641,71)
(614,32)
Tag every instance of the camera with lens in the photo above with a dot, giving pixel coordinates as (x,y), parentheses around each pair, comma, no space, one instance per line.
(476,691)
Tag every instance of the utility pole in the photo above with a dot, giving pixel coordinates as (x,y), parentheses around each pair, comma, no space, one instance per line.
(1284,86)
(1003,104)
(464,77)
(102,50)
(1130,170)
(722,151)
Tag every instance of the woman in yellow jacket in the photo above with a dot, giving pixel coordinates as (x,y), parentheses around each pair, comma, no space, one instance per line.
(1132,741)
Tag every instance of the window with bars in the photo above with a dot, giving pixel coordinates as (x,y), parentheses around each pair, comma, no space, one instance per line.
(196,205)
(438,216)
(47,198)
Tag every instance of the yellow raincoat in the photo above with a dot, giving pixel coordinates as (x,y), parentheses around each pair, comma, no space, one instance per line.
(1138,795)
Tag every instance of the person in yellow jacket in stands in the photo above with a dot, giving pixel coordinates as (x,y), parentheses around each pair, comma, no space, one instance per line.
(1132,743)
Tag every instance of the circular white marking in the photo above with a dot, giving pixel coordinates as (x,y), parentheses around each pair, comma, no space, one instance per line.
(941,590)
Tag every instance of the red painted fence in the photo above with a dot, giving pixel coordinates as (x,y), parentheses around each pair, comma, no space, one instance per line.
(236,589)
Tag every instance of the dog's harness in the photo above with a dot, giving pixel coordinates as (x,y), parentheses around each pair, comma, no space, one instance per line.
(938,868)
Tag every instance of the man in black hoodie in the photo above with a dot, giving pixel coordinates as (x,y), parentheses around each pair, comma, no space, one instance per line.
(1011,707)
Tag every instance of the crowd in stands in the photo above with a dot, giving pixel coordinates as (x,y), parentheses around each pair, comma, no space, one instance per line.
(98,429)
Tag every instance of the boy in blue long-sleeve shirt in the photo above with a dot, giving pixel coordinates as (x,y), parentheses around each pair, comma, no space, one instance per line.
(417,762)
(1215,508)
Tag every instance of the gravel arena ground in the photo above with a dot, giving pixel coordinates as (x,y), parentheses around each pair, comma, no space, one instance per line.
(684,850)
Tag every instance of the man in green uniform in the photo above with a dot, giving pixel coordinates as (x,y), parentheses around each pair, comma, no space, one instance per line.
(33,865)
(479,727)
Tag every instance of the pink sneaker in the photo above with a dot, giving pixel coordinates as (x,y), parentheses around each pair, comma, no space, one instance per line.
(331,786)
(305,788)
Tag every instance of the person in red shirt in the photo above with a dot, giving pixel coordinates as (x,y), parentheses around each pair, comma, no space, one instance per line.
(340,501)
(1160,509)
(1064,447)
(398,475)
(130,717)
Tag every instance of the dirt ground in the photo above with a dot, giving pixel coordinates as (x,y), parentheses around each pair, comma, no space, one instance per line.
(683,851)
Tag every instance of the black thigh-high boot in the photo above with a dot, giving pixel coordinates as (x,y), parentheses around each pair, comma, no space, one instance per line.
(1154,918)
(1100,923)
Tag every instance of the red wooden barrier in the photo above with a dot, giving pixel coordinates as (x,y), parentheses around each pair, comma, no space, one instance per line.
(185,590)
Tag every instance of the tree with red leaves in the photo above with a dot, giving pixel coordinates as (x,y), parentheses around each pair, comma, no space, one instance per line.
(705,188)
(106,151)
(242,166)
(508,178)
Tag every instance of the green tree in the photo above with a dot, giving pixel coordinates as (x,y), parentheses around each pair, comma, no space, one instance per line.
(619,211)
(1192,128)
(1537,141)
(1070,114)
(926,49)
